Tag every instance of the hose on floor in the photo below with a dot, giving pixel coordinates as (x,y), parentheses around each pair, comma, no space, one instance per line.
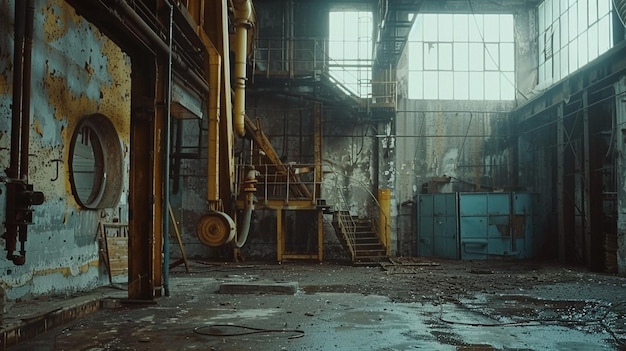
(214,330)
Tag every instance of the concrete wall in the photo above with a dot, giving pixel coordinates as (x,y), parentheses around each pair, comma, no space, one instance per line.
(76,72)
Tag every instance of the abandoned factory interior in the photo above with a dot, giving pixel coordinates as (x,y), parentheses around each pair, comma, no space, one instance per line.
(313,175)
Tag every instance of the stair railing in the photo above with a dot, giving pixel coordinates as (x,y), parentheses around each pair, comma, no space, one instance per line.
(372,211)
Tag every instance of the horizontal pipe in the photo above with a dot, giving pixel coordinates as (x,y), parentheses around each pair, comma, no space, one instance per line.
(162,47)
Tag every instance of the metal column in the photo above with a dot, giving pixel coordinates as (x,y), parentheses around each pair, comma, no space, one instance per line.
(586,181)
(560,181)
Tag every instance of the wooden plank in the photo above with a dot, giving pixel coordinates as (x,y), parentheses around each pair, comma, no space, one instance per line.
(179,239)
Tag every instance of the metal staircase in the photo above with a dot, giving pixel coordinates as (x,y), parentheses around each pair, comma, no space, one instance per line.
(359,237)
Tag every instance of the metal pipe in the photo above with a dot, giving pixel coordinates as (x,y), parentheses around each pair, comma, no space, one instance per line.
(29,20)
(249,189)
(243,21)
(26,88)
(129,13)
(18,52)
(166,177)
(13,171)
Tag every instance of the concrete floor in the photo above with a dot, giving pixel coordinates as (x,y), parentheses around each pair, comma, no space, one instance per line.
(337,307)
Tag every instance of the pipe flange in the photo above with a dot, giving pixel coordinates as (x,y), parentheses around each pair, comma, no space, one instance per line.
(216,229)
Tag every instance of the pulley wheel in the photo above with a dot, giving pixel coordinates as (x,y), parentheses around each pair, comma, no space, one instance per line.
(215,229)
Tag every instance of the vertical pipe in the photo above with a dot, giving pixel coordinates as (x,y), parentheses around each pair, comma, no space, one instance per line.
(243,17)
(166,178)
(26,91)
(384,199)
(18,52)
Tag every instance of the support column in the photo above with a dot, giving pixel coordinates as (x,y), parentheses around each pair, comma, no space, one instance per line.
(560,182)
(586,182)
(318,177)
(280,235)
(620,140)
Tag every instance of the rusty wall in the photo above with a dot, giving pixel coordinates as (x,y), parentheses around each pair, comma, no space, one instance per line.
(76,71)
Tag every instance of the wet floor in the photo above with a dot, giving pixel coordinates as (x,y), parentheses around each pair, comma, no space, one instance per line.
(322,317)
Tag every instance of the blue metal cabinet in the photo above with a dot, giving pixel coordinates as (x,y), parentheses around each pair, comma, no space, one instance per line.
(477,225)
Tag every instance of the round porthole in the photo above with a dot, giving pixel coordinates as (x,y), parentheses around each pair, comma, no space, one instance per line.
(96,163)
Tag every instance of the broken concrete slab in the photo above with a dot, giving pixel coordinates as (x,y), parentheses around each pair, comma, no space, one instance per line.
(279,288)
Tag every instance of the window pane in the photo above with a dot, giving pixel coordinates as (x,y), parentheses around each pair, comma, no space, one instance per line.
(582,50)
(507,28)
(556,36)
(417,30)
(446,84)
(592,43)
(461,56)
(573,56)
(541,72)
(476,57)
(415,56)
(548,13)
(593,11)
(582,16)
(445,28)
(476,28)
(492,57)
(430,27)
(564,63)
(478,86)
(564,5)
(507,57)
(556,61)
(430,81)
(548,68)
(603,7)
(460,27)
(445,56)
(416,86)
(564,25)
(573,23)
(461,85)
(491,32)
(507,86)
(430,56)
(604,40)
(556,11)
(492,85)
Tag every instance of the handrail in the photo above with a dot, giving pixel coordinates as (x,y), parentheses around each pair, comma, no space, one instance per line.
(372,212)
(306,56)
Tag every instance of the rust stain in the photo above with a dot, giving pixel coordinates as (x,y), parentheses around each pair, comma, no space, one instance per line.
(67,271)
(4,84)
(38,127)
(55,20)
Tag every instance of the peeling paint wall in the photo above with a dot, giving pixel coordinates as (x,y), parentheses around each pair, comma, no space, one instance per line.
(75,72)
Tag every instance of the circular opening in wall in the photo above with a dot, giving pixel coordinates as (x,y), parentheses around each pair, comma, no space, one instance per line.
(96,163)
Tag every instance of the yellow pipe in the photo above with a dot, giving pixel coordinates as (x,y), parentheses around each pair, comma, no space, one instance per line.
(243,21)
(384,217)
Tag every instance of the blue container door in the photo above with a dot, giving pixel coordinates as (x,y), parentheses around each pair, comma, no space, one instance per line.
(425,220)
(438,226)
(485,225)
(501,241)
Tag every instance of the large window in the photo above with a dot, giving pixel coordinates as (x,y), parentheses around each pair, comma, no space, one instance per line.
(571,34)
(462,57)
(350,50)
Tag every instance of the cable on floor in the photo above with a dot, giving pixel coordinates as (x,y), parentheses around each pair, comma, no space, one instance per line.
(245,330)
